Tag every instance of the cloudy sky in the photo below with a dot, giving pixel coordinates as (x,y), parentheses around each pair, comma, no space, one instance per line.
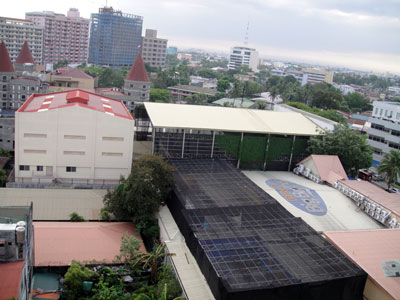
(361,34)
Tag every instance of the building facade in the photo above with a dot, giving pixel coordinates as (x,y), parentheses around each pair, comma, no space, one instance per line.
(73,137)
(115,38)
(384,133)
(15,86)
(14,32)
(243,56)
(64,37)
(311,75)
(154,50)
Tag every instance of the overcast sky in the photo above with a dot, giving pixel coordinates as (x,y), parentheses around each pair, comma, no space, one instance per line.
(361,34)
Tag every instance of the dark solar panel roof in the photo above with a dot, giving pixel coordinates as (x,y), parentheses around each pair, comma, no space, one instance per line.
(245,240)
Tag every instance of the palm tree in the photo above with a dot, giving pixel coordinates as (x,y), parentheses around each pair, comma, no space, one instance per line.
(151,260)
(390,166)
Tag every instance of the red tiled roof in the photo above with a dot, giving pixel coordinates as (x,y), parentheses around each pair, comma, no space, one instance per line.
(58,100)
(138,70)
(25,56)
(74,73)
(369,249)
(58,243)
(5,61)
(10,276)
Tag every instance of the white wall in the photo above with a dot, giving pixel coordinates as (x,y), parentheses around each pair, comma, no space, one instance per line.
(97,144)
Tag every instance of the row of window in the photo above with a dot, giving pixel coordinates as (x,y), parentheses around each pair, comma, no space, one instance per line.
(377,139)
(40,168)
(388,113)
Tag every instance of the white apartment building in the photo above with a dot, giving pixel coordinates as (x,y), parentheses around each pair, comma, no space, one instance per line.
(243,56)
(311,75)
(73,137)
(154,50)
(384,134)
(14,32)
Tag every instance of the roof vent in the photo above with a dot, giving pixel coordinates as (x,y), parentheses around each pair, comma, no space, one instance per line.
(77,97)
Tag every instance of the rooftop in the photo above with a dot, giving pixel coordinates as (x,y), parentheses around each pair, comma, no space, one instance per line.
(138,70)
(319,205)
(329,167)
(165,115)
(194,89)
(10,277)
(251,245)
(25,55)
(71,72)
(55,204)
(236,102)
(58,100)
(5,61)
(369,249)
(58,243)
(388,200)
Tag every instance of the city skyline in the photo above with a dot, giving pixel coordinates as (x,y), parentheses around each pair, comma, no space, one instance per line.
(357,34)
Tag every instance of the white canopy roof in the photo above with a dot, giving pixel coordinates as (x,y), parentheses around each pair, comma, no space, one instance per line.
(165,115)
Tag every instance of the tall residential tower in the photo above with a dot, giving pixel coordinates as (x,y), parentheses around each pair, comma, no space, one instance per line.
(14,32)
(64,37)
(115,38)
(154,49)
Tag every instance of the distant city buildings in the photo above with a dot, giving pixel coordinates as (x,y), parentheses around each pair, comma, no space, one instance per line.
(115,38)
(210,83)
(64,37)
(14,32)
(243,56)
(306,75)
(73,137)
(172,50)
(384,133)
(154,50)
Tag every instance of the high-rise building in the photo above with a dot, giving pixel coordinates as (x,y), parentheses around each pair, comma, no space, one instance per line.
(243,56)
(154,50)
(14,32)
(384,133)
(115,37)
(64,37)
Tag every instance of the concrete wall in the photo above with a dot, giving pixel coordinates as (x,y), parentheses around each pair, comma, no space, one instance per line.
(97,144)
(7,133)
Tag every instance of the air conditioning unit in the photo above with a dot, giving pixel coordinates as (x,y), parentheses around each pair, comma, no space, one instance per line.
(384,216)
(372,210)
(336,185)
(296,171)
(393,223)
(367,207)
(301,168)
(377,213)
(306,172)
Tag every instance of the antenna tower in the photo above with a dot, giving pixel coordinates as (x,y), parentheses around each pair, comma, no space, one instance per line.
(246,36)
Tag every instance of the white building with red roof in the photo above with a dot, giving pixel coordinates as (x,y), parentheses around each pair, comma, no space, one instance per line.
(73,137)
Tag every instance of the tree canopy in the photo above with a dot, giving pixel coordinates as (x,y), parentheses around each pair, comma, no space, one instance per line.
(350,145)
(139,196)
(159,95)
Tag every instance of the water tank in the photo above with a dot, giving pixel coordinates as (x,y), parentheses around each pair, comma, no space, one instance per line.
(20,231)
(21,224)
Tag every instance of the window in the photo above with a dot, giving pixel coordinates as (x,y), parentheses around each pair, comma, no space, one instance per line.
(144,86)
(70,169)
(24,168)
(39,168)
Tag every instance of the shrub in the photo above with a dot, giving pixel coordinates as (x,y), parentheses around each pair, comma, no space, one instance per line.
(74,217)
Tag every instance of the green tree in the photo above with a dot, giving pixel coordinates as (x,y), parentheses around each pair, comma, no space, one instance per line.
(129,250)
(390,166)
(223,85)
(74,279)
(60,64)
(153,260)
(357,102)
(350,145)
(139,196)
(159,95)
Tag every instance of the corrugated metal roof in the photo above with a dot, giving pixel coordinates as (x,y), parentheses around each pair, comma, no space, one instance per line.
(369,249)
(388,200)
(55,204)
(58,243)
(229,119)
(10,277)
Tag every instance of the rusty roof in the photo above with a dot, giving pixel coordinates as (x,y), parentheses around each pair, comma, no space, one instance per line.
(138,71)
(10,276)
(5,61)
(58,243)
(25,55)
(369,249)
